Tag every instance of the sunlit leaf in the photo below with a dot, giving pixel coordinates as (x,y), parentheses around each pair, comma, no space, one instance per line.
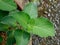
(7,5)
(31,10)
(41,27)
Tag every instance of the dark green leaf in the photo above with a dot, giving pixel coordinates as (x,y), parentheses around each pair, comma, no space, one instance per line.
(3,27)
(1,39)
(22,38)
(7,5)
(2,14)
(10,38)
(8,20)
(10,41)
(42,27)
(31,10)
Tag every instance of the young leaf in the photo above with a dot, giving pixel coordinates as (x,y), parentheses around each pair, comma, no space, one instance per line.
(8,20)
(21,17)
(42,27)
(31,10)
(7,5)
(22,38)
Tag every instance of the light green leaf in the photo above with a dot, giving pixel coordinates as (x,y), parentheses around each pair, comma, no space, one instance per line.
(31,10)
(41,27)
(22,37)
(7,5)
(8,20)
(21,17)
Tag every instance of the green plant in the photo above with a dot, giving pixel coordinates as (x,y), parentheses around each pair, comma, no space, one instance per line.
(1,39)
(20,24)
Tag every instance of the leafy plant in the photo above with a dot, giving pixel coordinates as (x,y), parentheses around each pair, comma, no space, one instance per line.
(20,24)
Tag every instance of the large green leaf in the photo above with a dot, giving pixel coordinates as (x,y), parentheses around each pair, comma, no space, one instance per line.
(42,27)
(8,20)
(31,10)
(7,5)
(21,17)
(39,26)
(22,38)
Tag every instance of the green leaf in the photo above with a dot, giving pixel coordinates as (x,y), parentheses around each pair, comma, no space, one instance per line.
(10,38)
(22,37)
(1,39)
(8,20)
(21,17)
(41,27)
(7,5)
(10,41)
(31,10)
(3,27)
(2,14)
(10,33)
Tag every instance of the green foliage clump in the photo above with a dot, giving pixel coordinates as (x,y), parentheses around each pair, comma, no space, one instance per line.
(20,24)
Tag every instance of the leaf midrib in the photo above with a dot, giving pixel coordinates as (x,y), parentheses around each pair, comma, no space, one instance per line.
(43,29)
(34,26)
